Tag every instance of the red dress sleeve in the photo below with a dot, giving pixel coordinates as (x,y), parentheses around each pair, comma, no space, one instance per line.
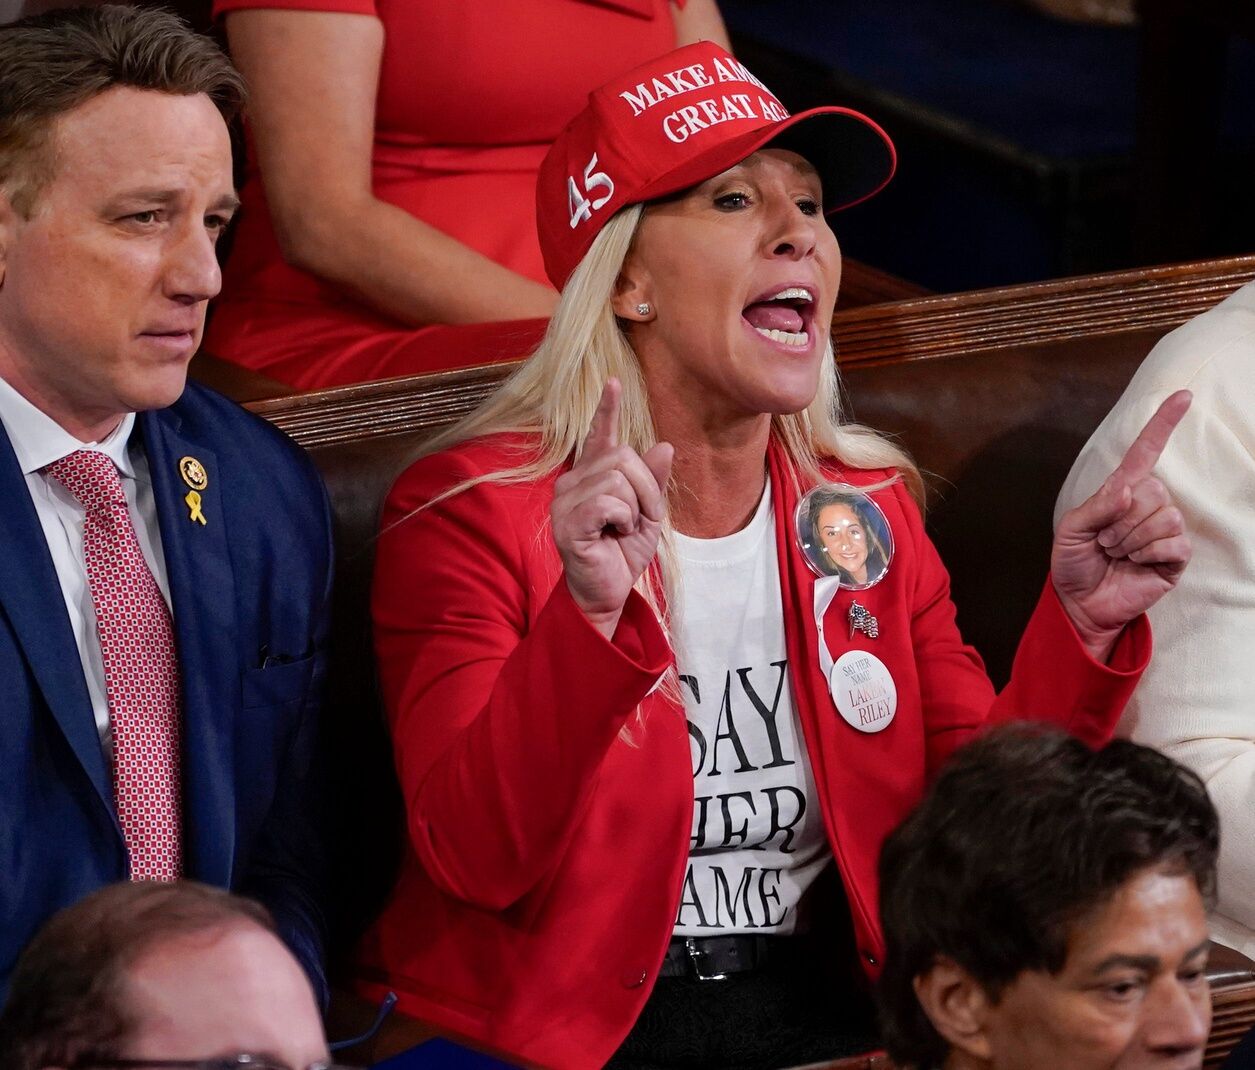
(503,700)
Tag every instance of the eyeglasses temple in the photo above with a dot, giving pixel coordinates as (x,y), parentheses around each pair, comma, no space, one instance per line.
(385,1008)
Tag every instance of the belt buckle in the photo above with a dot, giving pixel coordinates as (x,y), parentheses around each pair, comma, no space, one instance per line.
(696,954)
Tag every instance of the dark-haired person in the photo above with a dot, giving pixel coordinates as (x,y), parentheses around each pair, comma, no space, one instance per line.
(634,724)
(1045,906)
(164,556)
(148,974)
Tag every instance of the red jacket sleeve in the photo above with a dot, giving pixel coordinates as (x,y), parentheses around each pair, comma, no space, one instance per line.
(503,699)
(1053,678)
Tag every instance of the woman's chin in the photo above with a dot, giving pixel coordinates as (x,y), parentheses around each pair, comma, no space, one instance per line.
(788,394)
(792,407)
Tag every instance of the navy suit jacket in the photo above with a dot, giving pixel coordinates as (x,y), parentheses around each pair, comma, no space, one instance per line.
(250,593)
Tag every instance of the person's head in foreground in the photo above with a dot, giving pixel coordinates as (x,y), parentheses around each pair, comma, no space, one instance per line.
(115,183)
(160,974)
(1045,907)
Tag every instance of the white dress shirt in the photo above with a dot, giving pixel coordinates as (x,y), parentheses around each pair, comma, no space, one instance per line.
(38,440)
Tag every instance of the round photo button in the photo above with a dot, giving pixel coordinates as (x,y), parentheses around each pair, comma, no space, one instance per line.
(842,532)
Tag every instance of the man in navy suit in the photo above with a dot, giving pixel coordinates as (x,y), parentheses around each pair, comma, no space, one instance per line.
(165,557)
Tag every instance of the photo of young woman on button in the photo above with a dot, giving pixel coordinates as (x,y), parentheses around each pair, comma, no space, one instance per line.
(844,534)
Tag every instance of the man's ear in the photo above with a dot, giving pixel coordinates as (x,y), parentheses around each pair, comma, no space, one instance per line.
(959,1009)
(8,226)
(8,217)
(632,298)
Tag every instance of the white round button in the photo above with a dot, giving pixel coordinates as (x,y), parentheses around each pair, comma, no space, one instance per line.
(864,692)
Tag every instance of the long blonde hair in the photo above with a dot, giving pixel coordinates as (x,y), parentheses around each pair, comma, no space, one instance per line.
(554,393)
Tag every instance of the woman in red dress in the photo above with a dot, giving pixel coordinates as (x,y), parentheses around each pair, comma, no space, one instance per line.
(389,208)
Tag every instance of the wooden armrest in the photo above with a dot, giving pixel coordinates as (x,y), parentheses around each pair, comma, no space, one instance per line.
(1227,968)
(1232,978)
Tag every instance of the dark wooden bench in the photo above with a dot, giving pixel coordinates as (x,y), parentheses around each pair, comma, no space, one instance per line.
(993,392)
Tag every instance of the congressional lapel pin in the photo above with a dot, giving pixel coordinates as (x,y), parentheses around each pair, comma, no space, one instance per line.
(843,533)
(195,476)
(193,473)
(863,691)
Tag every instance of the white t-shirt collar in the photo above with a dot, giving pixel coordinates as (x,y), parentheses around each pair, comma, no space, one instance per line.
(728,549)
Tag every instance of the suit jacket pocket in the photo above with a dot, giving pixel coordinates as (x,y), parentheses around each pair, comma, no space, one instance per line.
(277,685)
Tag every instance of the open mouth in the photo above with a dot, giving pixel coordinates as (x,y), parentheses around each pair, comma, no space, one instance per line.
(783,317)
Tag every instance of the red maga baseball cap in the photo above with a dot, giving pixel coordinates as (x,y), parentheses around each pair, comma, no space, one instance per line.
(675,122)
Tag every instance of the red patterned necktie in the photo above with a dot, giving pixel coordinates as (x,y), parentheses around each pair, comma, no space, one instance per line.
(141,668)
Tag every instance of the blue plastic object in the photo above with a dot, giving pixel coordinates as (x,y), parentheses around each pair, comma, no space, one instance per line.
(441,1054)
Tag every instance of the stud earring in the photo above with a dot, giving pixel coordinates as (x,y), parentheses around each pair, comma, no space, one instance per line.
(642,309)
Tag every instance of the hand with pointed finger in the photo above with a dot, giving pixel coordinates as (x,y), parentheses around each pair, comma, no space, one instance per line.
(607,515)
(1116,554)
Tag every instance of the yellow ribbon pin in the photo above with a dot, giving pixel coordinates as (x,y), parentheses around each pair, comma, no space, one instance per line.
(193,507)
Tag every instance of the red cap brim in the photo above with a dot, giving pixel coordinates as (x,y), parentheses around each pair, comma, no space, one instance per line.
(854,157)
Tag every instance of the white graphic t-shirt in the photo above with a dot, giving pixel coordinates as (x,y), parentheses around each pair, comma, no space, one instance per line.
(758,838)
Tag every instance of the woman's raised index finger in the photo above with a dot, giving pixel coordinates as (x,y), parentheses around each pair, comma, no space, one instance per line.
(603,432)
(1144,454)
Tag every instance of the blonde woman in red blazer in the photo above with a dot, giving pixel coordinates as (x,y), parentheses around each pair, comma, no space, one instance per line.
(528,602)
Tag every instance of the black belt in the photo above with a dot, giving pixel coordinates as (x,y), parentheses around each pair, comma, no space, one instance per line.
(712,958)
